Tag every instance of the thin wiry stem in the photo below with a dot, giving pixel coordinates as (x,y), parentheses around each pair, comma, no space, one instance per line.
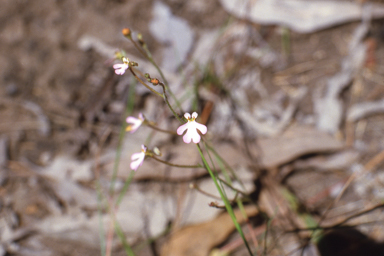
(225,199)
(169,105)
(147,54)
(142,82)
(177,165)
(161,130)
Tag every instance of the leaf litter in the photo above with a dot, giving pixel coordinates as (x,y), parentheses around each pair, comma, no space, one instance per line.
(263,128)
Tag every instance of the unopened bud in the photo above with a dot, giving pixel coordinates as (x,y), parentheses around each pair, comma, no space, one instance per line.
(213,204)
(126,32)
(155,81)
(156,150)
(147,75)
(140,39)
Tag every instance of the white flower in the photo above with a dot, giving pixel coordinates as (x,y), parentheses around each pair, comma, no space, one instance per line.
(138,158)
(134,123)
(192,126)
(121,68)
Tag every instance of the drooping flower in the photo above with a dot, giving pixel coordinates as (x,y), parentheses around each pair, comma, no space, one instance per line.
(121,68)
(134,123)
(191,126)
(138,158)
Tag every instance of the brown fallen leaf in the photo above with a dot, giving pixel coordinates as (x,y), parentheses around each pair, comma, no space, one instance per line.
(199,239)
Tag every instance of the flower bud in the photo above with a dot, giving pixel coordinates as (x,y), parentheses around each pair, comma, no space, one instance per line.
(155,81)
(126,32)
(156,150)
(140,39)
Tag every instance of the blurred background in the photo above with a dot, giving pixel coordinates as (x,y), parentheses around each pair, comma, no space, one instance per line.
(291,92)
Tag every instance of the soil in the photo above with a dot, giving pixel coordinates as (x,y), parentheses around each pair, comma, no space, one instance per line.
(59,99)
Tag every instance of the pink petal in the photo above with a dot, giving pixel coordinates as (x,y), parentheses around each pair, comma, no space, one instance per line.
(118,66)
(136,156)
(135,165)
(195,136)
(182,128)
(187,138)
(194,115)
(131,120)
(119,71)
(187,116)
(137,160)
(202,128)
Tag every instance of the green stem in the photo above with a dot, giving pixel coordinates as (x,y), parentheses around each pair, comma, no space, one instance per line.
(125,188)
(130,102)
(231,187)
(138,47)
(225,199)
(147,54)
(120,234)
(195,186)
(169,105)
(149,57)
(161,130)
(117,159)
(142,82)
(176,165)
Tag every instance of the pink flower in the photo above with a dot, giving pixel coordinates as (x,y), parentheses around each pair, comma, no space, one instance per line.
(192,126)
(121,68)
(138,158)
(134,123)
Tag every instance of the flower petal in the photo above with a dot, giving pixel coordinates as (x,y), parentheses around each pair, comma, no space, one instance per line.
(137,160)
(131,120)
(135,165)
(182,128)
(187,138)
(202,128)
(135,123)
(118,66)
(187,116)
(194,135)
(136,156)
(194,115)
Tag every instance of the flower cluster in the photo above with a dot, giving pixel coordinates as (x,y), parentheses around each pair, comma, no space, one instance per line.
(192,134)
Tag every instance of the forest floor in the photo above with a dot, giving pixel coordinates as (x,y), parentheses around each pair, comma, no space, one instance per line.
(294,111)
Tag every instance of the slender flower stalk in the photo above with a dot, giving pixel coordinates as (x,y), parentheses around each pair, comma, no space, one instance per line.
(154,127)
(225,199)
(177,165)
(147,54)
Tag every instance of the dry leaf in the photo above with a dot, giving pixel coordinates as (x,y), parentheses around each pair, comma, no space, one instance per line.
(198,240)
(299,15)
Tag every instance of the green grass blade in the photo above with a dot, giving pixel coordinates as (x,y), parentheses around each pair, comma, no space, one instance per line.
(225,199)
